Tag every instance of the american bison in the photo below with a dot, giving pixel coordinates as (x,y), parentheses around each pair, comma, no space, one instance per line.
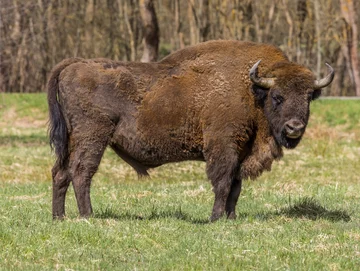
(213,102)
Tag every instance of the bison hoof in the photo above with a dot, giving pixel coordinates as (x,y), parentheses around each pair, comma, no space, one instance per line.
(231,215)
(215,217)
(58,217)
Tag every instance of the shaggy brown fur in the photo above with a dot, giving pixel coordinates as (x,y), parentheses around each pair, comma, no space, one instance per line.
(196,104)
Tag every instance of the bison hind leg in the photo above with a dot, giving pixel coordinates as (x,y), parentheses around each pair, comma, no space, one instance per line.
(140,169)
(61,180)
(86,150)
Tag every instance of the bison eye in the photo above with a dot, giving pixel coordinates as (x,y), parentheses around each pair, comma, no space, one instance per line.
(277,100)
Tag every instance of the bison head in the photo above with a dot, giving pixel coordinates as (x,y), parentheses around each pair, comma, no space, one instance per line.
(285,93)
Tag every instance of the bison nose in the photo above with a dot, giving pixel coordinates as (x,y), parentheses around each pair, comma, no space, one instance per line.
(294,128)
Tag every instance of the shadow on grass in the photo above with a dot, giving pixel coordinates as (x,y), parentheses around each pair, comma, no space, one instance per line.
(305,208)
(108,213)
(311,209)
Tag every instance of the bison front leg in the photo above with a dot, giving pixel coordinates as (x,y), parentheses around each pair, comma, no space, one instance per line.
(221,169)
(233,198)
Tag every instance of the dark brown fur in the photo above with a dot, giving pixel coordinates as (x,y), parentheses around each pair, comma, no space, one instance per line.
(196,104)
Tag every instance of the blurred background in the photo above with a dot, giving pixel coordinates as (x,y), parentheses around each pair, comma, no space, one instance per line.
(37,34)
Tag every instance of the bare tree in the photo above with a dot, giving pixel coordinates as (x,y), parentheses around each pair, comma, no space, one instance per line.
(179,36)
(348,11)
(36,34)
(193,22)
(204,21)
(150,31)
(318,37)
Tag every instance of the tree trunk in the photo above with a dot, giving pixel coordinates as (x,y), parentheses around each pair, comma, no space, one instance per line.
(338,83)
(267,36)
(290,22)
(204,20)
(150,30)
(131,33)
(348,11)
(301,14)
(194,37)
(318,37)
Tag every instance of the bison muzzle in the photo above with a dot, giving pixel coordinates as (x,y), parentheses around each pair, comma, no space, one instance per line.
(213,102)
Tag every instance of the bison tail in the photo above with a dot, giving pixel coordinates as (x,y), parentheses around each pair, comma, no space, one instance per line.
(58,132)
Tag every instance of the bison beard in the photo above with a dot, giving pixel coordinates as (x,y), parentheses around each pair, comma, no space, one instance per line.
(213,102)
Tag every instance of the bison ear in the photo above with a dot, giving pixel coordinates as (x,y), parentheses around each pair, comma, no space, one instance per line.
(259,92)
(316,94)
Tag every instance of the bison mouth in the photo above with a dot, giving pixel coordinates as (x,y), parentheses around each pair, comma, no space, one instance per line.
(290,142)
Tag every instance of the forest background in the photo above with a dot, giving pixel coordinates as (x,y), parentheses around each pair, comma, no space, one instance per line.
(37,34)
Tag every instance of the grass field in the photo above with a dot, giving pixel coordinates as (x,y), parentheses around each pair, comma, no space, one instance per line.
(303,215)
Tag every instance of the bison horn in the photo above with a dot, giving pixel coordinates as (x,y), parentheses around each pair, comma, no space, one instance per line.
(325,81)
(261,82)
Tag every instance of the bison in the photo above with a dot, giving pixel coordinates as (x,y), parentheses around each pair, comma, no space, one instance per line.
(231,104)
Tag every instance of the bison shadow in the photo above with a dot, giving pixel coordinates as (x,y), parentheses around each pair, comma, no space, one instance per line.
(109,213)
(304,208)
(310,208)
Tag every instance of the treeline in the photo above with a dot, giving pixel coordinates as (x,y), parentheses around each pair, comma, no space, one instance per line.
(36,34)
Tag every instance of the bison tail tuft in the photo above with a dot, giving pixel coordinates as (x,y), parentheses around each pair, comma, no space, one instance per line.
(58,132)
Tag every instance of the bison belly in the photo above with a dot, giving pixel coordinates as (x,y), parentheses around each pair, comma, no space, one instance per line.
(163,130)
(153,148)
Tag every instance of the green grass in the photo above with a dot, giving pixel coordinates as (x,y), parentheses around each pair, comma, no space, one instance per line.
(303,215)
